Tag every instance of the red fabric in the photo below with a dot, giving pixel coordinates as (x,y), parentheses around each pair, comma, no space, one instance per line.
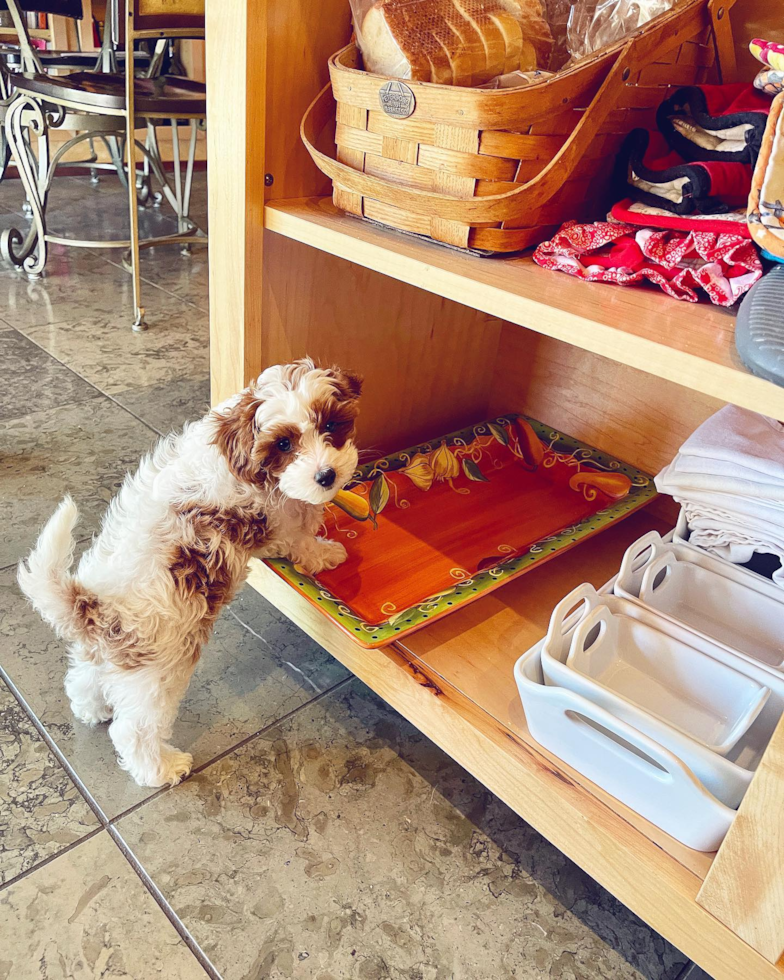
(658,155)
(724,265)
(731,182)
(724,100)
(733,223)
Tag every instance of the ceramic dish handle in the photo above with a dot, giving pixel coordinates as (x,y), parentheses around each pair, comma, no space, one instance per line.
(651,583)
(588,635)
(657,761)
(586,597)
(631,565)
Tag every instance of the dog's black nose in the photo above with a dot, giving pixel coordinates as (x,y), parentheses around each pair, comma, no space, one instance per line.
(325,478)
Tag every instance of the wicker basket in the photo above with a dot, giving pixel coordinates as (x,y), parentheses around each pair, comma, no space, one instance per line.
(499,170)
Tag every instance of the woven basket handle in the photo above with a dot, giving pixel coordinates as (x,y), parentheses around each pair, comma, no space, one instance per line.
(495,207)
(672,28)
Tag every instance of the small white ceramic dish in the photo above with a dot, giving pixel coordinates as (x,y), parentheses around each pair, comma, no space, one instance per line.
(658,675)
(750,749)
(634,768)
(715,598)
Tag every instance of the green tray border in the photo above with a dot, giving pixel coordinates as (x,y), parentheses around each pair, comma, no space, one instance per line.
(642,492)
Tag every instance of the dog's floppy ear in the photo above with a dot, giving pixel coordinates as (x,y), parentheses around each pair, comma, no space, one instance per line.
(235,436)
(348,383)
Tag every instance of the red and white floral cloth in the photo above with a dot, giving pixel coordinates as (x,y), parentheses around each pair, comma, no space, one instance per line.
(679,262)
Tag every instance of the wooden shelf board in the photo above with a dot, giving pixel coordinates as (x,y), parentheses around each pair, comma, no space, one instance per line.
(691,344)
(453,681)
(474,650)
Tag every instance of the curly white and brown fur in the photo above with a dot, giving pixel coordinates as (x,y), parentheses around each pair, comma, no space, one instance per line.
(249,479)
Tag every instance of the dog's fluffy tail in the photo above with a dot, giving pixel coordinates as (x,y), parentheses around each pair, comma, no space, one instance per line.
(46,579)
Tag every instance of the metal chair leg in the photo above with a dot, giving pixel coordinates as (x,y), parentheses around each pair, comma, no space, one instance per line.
(139,323)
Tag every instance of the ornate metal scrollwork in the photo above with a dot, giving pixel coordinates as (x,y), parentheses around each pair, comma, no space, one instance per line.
(29,251)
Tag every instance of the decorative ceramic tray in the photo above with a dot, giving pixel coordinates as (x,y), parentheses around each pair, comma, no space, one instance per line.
(452,519)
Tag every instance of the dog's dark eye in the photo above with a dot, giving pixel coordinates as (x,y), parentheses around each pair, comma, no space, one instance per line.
(331,427)
(284,445)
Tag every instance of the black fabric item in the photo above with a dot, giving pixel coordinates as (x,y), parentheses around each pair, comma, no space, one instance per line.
(695,193)
(690,102)
(61,8)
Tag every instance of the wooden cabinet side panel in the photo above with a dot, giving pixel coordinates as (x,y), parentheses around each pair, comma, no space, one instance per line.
(744,888)
(427,362)
(302,36)
(236,86)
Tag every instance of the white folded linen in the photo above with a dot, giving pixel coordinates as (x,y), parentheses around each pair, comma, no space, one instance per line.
(734,539)
(729,478)
(754,509)
(688,473)
(739,437)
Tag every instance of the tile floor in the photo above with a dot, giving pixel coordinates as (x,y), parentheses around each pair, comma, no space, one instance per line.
(321,836)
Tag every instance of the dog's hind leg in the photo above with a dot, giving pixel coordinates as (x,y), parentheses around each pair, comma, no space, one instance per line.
(145,702)
(85,691)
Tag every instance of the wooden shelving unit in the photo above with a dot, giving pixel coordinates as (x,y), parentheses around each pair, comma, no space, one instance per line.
(445,339)
(691,344)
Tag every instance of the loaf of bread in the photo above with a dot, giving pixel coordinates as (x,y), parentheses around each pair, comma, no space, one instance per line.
(454,42)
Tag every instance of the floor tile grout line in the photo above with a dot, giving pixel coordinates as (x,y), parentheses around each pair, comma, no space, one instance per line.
(52,857)
(55,749)
(160,899)
(163,289)
(202,767)
(94,386)
(274,724)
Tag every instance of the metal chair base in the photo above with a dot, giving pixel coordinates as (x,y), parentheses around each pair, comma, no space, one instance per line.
(28,121)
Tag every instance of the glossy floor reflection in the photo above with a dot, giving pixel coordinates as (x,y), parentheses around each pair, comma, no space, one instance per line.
(322,836)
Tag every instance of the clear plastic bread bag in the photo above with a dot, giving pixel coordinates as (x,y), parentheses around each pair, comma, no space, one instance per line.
(451,42)
(594,25)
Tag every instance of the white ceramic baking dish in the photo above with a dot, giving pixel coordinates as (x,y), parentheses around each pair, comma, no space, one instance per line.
(655,673)
(720,600)
(625,762)
(750,749)
(696,808)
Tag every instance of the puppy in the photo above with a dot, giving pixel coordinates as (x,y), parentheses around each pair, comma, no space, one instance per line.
(249,479)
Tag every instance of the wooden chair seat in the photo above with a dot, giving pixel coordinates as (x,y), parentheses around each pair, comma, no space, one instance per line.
(169,95)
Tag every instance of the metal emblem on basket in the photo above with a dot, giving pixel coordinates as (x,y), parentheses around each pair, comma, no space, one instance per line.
(397,100)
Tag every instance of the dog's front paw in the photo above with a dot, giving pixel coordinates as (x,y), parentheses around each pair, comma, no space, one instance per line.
(323,555)
(91,712)
(168,769)
(175,766)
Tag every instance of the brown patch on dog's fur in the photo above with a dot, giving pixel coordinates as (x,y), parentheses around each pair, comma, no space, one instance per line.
(102,633)
(274,460)
(203,572)
(348,383)
(202,567)
(342,414)
(235,436)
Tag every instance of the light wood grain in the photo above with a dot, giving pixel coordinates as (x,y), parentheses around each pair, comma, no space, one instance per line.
(691,344)
(745,887)
(428,363)
(619,856)
(301,37)
(635,416)
(235,64)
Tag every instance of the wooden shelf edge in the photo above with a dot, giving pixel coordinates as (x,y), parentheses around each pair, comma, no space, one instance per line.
(311,222)
(643,877)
